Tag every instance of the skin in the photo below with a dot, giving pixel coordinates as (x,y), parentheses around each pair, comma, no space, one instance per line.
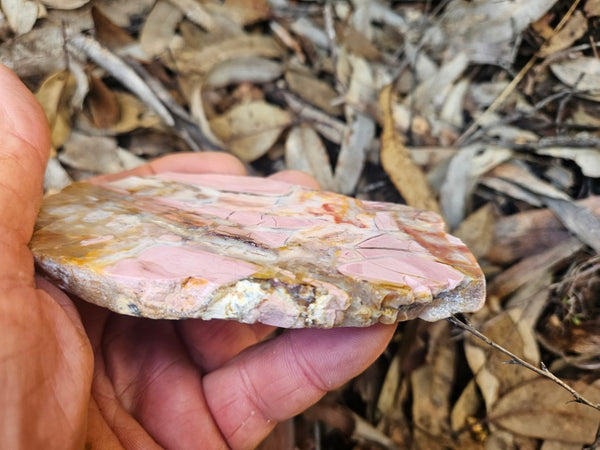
(73,374)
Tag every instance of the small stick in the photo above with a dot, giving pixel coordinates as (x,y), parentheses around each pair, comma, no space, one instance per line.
(543,371)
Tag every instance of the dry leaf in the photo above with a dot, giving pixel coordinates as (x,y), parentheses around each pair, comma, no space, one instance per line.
(305,151)
(199,115)
(430,95)
(253,69)
(466,166)
(194,61)
(531,268)
(314,91)
(486,30)
(64,4)
(541,409)
(247,12)
(361,93)
(582,73)
(197,13)
(477,230)
(592,8)
(353,152)
(575,28)
(588,159)
(494,377)
(103,104)
(395,159)
(133,114)
(21,14)
(53,95)
(249,130)
(55,177)
(466,406)
(108,33)
(159,28)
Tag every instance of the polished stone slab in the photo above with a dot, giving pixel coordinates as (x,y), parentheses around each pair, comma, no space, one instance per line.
(253,250)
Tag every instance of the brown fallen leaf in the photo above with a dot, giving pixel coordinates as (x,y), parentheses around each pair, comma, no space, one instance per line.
(313,90)
(575,28)
(108,33)
(395,159)
(133,114)
(531,232)
(540,409)
(102,103)
(493,376)
(53,95)
(532,267)
(250,129)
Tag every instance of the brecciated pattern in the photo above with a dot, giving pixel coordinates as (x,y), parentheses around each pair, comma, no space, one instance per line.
(253,250)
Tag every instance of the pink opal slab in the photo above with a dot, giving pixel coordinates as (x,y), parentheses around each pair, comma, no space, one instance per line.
(211,246)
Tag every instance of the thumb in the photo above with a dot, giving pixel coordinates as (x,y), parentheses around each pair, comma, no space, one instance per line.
(24,149)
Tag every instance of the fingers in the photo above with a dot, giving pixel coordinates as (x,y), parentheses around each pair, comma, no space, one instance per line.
(24,148)
(155,382)
(214,342)
(207,162)
(278,379)
(296,177)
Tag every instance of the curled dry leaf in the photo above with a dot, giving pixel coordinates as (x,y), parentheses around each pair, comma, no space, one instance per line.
(159,28)
(588,159)
(253,69)
(53,95)
(540,409)
(395,159)
(305,151)
(199,115)
(21,14)
(250,130)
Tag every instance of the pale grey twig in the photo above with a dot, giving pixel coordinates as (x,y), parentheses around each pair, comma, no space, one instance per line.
(543,371)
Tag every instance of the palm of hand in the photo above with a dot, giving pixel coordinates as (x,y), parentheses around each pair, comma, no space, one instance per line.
(72,372)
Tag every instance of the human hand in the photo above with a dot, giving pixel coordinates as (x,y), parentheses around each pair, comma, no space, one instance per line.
(72,372)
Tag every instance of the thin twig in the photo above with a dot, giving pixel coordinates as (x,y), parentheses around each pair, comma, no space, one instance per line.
(543,371)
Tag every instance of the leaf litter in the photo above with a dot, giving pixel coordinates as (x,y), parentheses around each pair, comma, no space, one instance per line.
(487,108)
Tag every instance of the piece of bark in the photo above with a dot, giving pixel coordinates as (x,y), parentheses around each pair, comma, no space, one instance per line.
(252,250)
